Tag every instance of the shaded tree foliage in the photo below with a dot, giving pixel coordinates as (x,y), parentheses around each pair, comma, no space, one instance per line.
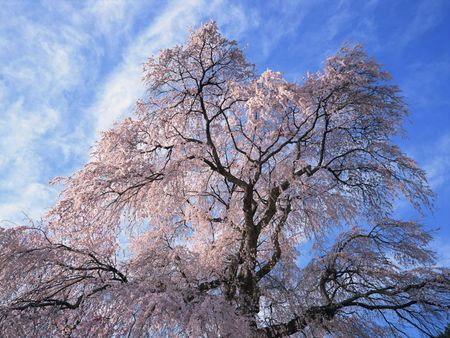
(216,180)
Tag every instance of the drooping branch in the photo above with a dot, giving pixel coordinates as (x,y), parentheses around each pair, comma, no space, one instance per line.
(348,284)
(57,275)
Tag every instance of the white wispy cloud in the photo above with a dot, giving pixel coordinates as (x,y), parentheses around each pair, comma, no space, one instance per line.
(41,66)
(428,14)
(31,81)
(33,199)
(437,162)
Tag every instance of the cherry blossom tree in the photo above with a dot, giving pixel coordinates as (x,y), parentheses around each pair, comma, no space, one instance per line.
(214,184)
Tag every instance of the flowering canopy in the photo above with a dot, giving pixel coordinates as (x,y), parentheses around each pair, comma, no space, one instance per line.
(216,180)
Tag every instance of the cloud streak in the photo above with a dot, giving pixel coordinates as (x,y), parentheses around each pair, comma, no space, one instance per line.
(42,67)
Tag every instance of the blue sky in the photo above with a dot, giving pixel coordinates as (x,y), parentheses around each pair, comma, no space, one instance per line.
(68,69)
